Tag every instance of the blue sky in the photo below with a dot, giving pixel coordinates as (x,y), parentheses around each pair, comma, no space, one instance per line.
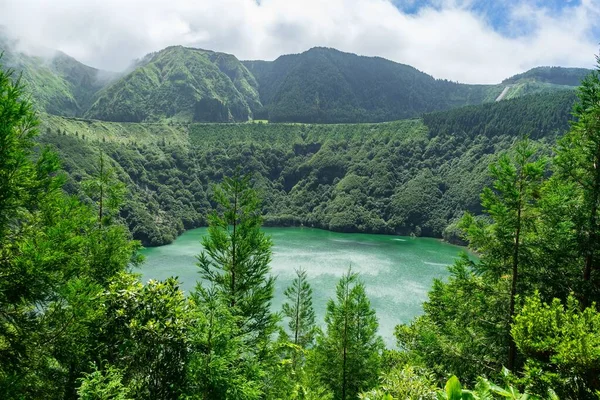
(497,13)
(474,41)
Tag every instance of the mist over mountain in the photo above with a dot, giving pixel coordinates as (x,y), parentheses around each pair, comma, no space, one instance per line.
(57,83)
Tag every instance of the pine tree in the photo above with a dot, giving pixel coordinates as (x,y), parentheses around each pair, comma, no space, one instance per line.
(236,258)
(217,368)
(578,161)
(106,190)
(299,310)
(513,207)
(348,354)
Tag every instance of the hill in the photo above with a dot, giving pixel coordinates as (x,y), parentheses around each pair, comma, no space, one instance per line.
(180,84)
(412,176)
(327,85)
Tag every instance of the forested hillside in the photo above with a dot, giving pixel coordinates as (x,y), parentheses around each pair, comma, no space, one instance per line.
(180,83)
(406,177)
(326,85)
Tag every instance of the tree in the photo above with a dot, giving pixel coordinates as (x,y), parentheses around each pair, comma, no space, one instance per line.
(145,335)
(236,258)
(562,344)
(103,385)
(348,353)
(578,161)
(106,190)
(299,310)
(219,366)
(512,205)
(53,263)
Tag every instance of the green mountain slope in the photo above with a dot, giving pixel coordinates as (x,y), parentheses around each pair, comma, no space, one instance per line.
(180,84)
(412,176)
(326,85)
(552,75)
(58,84)
(542,80)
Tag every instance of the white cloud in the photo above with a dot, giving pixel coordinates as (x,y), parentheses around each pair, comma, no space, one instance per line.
(449,41)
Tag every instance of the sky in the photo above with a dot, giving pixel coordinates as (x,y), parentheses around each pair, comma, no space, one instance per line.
(471,41)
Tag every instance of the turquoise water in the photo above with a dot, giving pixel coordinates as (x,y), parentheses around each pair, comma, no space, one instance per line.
(397,271)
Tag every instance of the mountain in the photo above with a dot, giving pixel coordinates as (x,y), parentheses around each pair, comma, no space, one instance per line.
(327,85)
(321,85)
(180,84)
(58,84)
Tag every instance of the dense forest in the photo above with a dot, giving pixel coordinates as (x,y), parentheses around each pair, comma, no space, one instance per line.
(520,322)
(404,177)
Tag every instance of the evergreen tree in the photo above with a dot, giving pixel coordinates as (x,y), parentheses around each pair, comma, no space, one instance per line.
(578,162)
(53,263)
(299,310)
(348,354)
(219,366)
(512,205)
(236,258)
(106,190)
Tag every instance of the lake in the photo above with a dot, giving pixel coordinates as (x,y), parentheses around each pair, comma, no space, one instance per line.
(397,271)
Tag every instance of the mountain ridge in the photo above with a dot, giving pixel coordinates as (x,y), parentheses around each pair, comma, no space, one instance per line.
(320,85)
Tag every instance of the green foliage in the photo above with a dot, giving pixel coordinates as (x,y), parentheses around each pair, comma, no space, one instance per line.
(403,382)
(347,355)
(553,75)
(58,84)
(54,263)
(106,190)
(463,331)
(325,85)
(351,178)
(146,322)
(562,344)
(220,364)
(299,310)
(577,160)
(99,385)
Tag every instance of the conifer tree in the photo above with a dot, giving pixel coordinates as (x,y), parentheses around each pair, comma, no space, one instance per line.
(301,314)
(217,368)
(236,258)
(348,354)
(106,190)
(578,161)
(512,204)
(299,310)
